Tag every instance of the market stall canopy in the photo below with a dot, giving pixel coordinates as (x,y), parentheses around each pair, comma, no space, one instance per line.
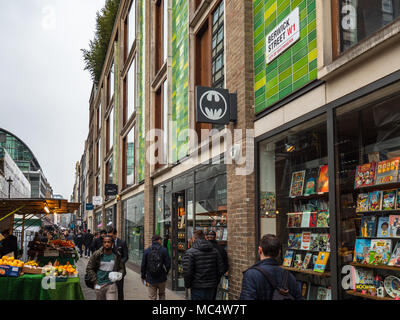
(36,206)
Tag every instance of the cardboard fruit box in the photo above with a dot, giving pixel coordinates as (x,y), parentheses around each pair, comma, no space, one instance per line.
(29,270)
(9,271)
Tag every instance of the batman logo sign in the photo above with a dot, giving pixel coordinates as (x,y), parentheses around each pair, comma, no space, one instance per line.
(213,105)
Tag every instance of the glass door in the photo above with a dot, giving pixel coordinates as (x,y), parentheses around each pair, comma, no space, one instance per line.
(179,239)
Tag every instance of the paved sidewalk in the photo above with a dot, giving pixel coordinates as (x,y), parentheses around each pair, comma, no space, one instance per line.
(133,286)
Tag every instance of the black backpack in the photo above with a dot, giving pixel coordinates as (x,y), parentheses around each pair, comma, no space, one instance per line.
(155,262)
(279,293)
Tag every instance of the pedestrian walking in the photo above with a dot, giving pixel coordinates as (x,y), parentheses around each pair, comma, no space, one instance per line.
(101,270)
(9,244)
(211,236)
(78,240)
(266,280)
(87,241)
(121,247)
(156,264)
(202,268)
(98,242)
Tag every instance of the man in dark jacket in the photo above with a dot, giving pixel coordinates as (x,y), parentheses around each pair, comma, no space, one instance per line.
(87,241)
(255,285)
(9,244)
(121,247)
(98,242)
(156,282)
(211,235)
(101,264)
(202,268)
(78,240)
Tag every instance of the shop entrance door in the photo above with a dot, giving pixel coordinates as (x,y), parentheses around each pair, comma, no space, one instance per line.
(178,239)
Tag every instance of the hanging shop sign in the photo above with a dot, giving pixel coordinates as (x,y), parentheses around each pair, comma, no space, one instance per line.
(111,189)
(215,105)
(283,36)
(89,206)
(97,200)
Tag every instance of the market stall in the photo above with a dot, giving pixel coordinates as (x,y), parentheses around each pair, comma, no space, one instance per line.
(50,274)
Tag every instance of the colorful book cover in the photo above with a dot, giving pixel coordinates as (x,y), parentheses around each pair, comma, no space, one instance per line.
(287,260)
(324,293)
(267,202)
(383,227)
(296,241)
(297,183)
(362,276)
(323,219)
(314,260)
(375,201)
(305,219)
(395,257)
(389,199)
(306,261)
(394,226)
(297,219)
(314,242)
(380,251)
(290,239)
(362,202)
(361,250)
(321,262)
(290,220)
(323,180)
(324,242)
(311,181)
(367,228)
(387,171)
(398,199)
(298,261)
(313,219)
(365,175)
(305,240)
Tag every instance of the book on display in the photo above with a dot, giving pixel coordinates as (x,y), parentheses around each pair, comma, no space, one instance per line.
(365,175)
(297,183)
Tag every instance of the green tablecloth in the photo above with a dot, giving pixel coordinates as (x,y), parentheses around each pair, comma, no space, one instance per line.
(29,287)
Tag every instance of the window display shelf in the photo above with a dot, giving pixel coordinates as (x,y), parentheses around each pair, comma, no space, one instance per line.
(325,274)
(378,187)
(308,228)
(367,296)
(372,266)
(311,196)
(379,211)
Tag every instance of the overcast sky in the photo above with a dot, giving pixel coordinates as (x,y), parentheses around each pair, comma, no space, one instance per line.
(44,91)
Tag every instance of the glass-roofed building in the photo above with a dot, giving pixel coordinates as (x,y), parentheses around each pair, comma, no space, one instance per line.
(27,163)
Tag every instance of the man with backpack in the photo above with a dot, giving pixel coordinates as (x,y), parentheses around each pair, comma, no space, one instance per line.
(266,280)
(156,264)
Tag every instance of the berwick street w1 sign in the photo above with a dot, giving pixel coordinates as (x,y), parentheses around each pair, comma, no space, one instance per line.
(283,36)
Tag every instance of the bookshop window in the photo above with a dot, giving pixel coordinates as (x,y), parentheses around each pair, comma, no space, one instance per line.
(360,19)
(294,203)
(163,214)
(368,153)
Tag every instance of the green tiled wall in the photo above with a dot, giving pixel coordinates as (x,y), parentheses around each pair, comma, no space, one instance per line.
(141,91)
(294,68)
(180,77)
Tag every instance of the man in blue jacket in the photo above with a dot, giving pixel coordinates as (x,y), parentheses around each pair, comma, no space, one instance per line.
(156,264)
(255,285)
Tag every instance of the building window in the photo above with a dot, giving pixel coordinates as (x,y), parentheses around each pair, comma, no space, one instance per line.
(110,81)
(357,20)
(99,117)
(109,171)
(129,153)
(98,191)
(110,130)
(98,150)
(209,52)
(161,33)
(131,26)
(161,122)
(130,90)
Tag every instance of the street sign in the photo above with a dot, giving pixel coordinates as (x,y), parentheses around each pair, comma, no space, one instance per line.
(97,200)
(111,189)
(215,105)
(89,206)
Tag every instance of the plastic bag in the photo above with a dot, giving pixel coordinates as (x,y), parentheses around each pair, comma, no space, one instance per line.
(115,276)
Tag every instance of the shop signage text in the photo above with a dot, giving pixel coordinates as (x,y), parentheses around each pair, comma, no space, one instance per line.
(283,36)
(97,200)
(111,190)
(89,206)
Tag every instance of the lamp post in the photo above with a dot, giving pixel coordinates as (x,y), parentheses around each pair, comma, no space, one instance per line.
(9,186)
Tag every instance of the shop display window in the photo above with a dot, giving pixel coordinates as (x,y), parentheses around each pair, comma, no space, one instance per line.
(368,201)
(294,203)
(134,227)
